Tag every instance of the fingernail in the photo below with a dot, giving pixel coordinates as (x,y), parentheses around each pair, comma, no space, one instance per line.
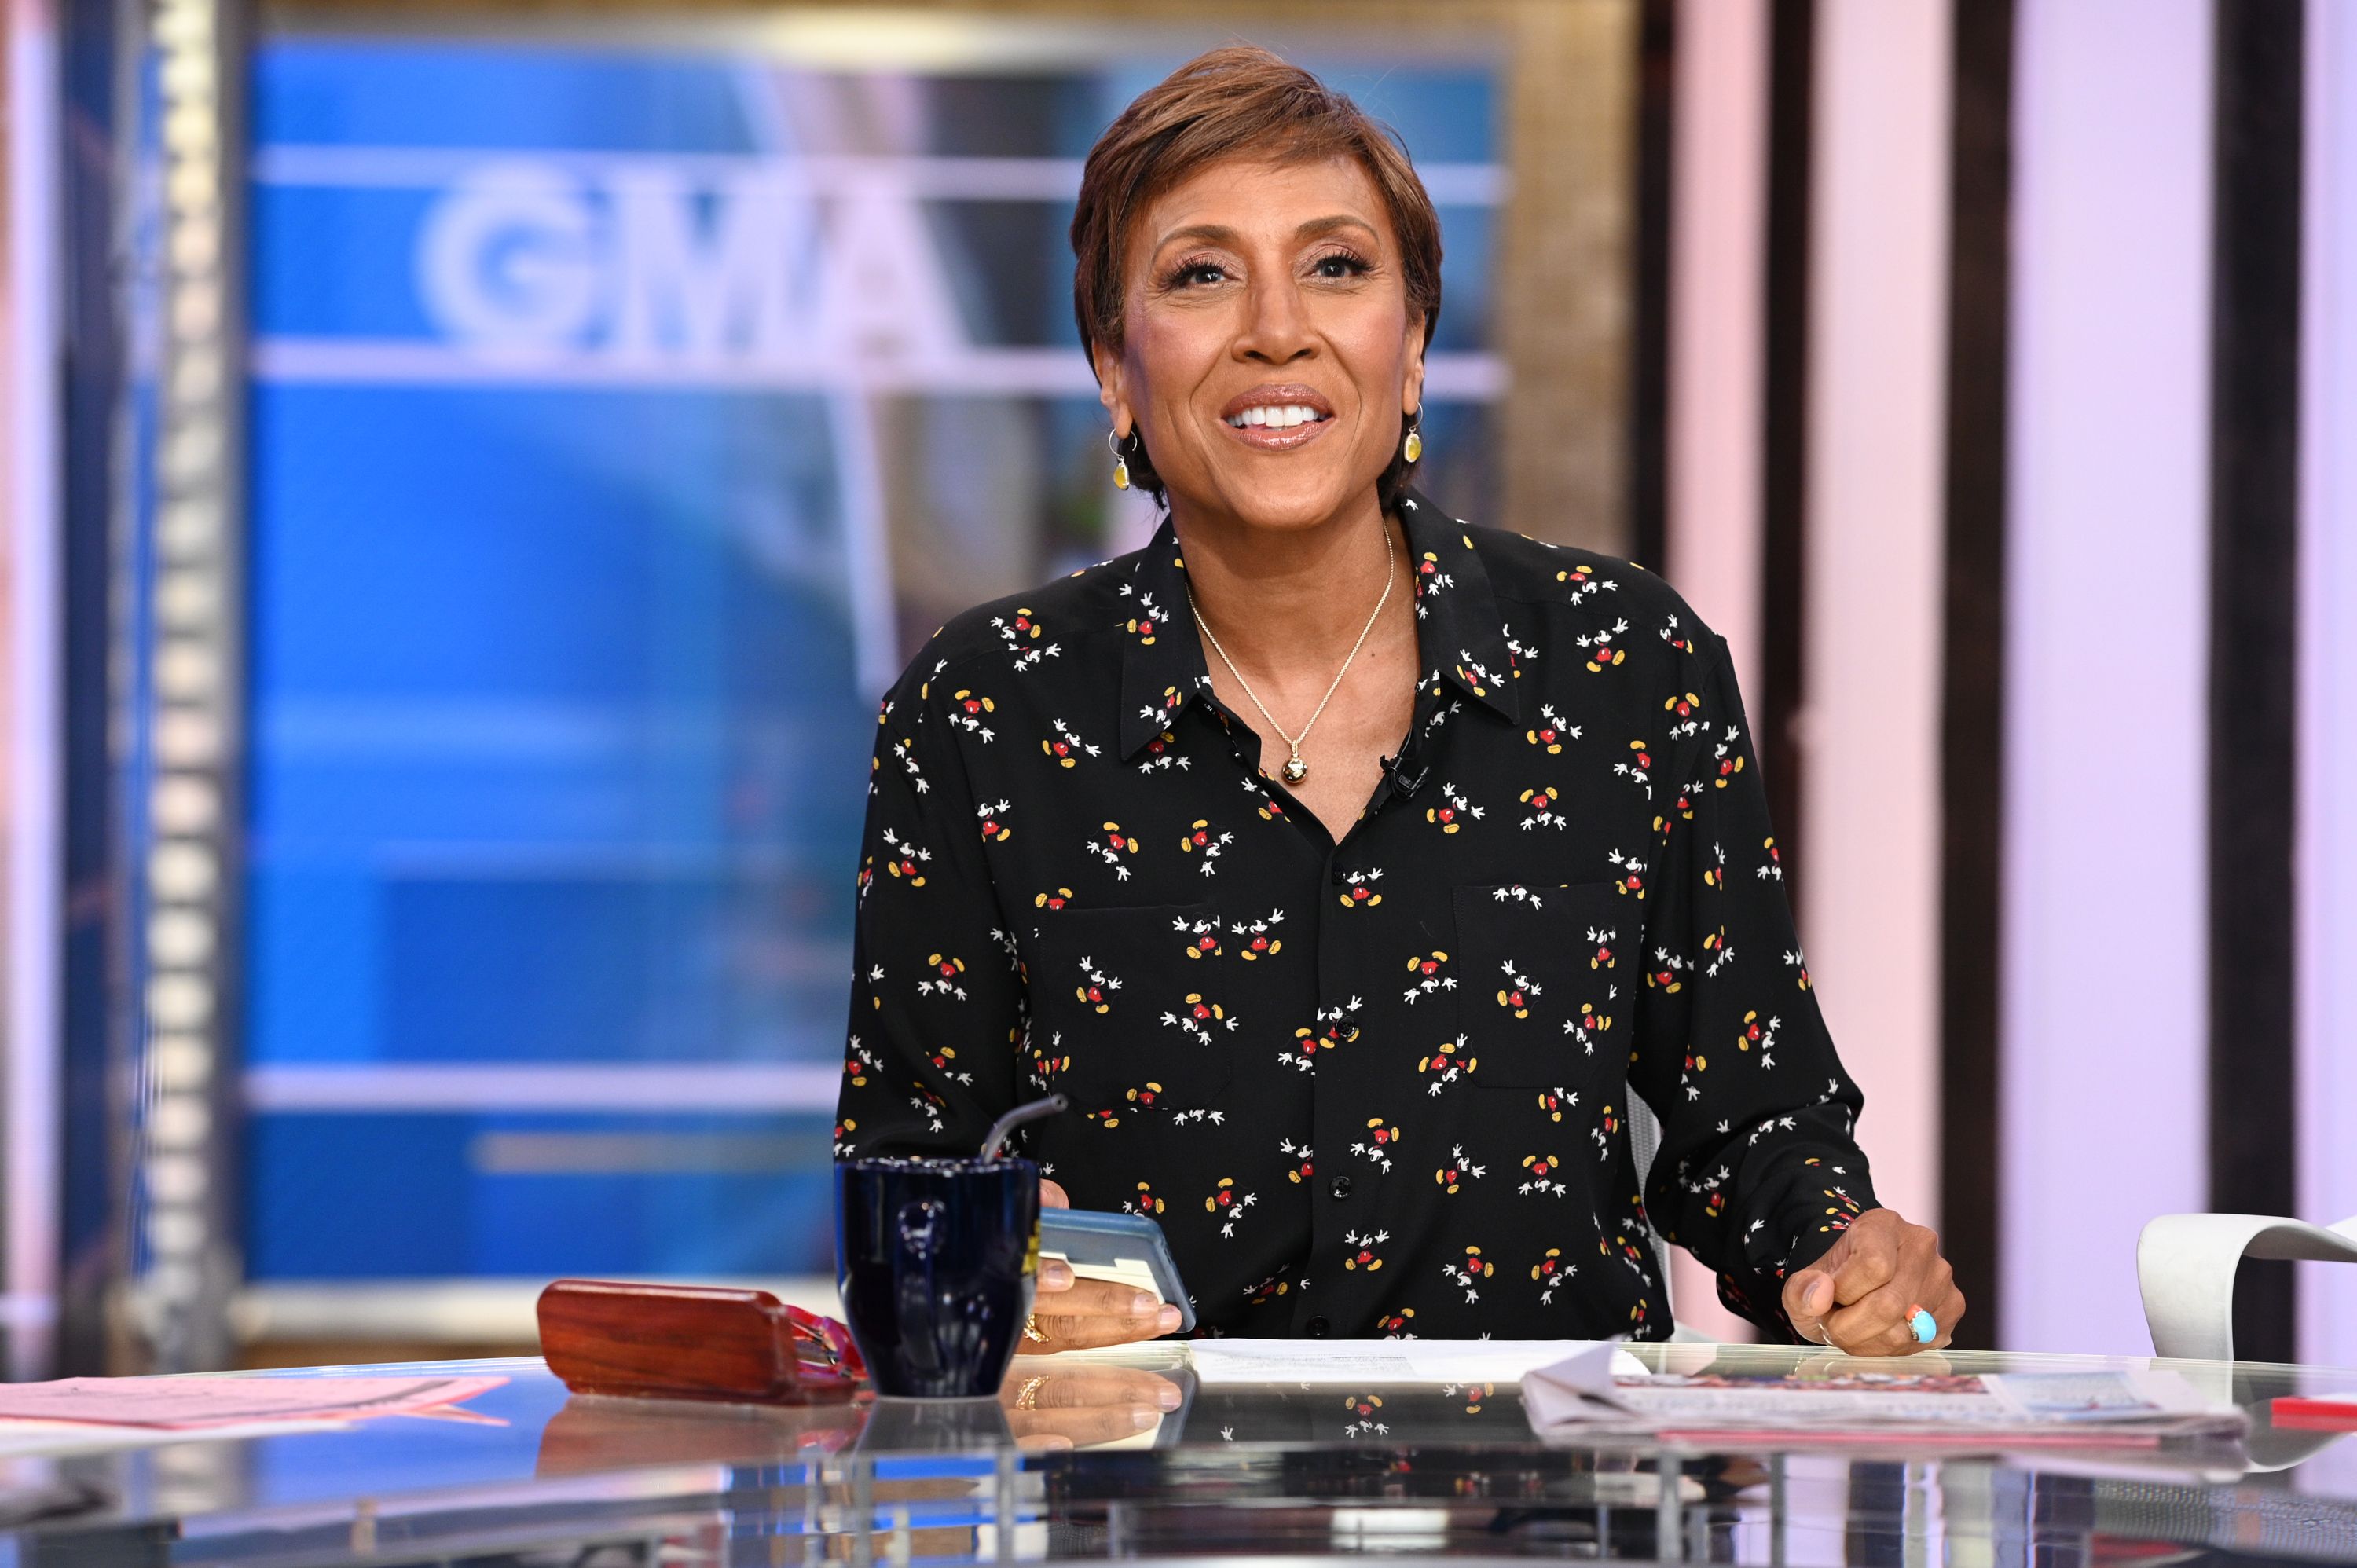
(1168,1397)
(1055,1276)
(1141,1304)
(1142,1419)
(1167,1318)
(1813,1299)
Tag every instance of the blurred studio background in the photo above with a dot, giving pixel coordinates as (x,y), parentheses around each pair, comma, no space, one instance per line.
(471,467)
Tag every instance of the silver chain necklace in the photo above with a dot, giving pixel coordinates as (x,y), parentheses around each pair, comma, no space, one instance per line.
(1296,771)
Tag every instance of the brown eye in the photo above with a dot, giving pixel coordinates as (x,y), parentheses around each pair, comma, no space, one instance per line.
(1339,265)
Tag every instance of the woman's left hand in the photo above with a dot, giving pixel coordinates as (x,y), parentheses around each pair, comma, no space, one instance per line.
(1073,1314)
(1859,1297)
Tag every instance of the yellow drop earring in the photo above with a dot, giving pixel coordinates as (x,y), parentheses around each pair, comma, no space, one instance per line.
(1413,447)
(1120,463)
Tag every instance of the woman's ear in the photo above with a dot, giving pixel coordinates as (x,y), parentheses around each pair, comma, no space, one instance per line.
(1111,389)
(1412,384)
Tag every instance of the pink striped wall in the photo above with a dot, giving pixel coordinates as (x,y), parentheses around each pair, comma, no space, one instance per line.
(1717,281)
(1869,829)
(1718,215)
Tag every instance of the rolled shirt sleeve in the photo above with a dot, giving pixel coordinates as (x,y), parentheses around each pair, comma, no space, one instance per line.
(1759,1170)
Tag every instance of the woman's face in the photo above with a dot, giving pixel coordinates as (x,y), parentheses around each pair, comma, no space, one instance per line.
(1267,348)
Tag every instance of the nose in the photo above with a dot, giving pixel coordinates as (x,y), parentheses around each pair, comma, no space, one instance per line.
(1276,331)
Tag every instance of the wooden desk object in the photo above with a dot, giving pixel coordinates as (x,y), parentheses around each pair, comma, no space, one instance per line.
(690,1342)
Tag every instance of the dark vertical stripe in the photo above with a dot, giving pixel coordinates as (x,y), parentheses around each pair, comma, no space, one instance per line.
(1972,727)
(212,1339)
(1649,358)
(94,371)
(2254,597)
(1785,496)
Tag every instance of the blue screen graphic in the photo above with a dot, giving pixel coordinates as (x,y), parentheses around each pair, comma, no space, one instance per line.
(621,421)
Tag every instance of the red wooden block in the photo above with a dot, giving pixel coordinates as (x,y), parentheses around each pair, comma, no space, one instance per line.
(697,1342)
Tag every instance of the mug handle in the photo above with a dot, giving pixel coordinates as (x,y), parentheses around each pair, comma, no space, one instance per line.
(920,1227)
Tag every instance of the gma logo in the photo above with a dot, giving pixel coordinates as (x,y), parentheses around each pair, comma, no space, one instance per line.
(726,261)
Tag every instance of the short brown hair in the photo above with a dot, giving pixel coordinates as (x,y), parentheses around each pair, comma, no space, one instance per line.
(1236,99)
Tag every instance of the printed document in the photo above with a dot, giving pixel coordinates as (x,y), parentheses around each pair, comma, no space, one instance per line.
(1865,1400)
(1297,1363)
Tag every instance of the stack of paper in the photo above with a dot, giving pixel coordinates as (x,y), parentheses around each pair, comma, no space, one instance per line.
(1135,1273)
(194,1404)
(1845,1403)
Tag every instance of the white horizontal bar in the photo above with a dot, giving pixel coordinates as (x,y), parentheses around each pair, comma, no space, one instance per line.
(951,178)
(1009,373)
(572,1086)
(702,1151)
(415,361)
(444,1311)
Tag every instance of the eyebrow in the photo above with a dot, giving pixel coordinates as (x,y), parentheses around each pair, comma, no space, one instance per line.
(1220,234)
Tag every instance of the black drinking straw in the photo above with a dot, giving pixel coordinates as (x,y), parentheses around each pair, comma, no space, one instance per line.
(1005,1126)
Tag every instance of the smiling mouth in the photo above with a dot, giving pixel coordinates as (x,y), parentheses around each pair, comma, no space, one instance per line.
(1275,416)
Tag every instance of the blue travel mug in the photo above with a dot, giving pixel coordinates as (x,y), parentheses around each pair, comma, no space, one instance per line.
(937,1260)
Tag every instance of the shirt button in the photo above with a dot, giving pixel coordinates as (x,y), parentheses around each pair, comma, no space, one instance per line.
(1339,1186)
(1316,1328)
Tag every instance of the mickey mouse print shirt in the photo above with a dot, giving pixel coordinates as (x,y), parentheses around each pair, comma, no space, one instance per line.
(1378,1086)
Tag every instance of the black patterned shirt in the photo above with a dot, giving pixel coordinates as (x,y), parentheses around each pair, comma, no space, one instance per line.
(1379,1087)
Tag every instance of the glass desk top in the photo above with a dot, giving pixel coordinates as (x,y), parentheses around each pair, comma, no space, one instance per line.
(531,1475)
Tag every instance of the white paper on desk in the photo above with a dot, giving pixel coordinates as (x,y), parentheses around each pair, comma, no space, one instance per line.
(1578,1388)
(1330,1363)
(1870,1399)
(233,1399)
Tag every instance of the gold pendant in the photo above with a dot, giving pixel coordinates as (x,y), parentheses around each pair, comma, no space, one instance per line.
(1296,771)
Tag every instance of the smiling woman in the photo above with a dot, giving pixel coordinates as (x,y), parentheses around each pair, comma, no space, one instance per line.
(1351,1028)
(1259,274)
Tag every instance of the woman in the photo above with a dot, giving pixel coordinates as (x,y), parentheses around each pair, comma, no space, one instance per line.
(1347,866)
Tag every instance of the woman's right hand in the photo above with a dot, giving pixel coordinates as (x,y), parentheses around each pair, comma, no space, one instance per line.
(1083,1315)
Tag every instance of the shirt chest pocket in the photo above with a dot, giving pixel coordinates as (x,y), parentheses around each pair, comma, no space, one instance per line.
(1540,988)
(1128,1014)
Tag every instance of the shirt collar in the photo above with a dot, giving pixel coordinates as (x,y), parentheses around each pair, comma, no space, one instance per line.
(1459,631)
(1162,653)
(1460,636)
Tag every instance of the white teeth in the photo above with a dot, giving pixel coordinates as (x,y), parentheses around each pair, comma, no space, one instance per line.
(1275,416)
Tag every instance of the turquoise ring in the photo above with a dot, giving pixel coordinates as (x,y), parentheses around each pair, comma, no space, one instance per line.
(1923,1326)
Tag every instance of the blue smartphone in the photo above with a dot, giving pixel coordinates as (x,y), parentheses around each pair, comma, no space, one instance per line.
(1127,1248)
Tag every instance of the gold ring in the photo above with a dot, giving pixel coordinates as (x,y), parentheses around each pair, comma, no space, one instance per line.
(1031,1329)
(1028,1397)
